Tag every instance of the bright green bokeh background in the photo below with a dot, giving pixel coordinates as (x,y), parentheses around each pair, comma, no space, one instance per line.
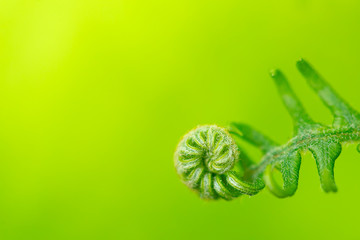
(94,96)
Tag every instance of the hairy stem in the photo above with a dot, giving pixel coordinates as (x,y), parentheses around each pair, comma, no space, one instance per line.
(302,143)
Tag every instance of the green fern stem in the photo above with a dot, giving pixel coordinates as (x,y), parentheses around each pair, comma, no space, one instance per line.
(300,144)
(304,142)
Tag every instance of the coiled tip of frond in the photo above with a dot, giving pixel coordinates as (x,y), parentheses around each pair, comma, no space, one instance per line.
(205,159)
(208,147)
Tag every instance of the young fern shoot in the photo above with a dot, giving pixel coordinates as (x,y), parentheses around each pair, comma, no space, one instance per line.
(210,161)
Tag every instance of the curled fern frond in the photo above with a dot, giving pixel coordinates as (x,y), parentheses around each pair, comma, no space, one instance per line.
(207,159)
(210,160)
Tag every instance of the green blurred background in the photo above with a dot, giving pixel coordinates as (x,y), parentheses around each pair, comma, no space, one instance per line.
(95,95)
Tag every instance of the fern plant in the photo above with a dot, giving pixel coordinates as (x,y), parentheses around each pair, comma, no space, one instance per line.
(210,160)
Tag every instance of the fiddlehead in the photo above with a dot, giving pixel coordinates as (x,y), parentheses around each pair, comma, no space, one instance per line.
(230,173)
(207,159)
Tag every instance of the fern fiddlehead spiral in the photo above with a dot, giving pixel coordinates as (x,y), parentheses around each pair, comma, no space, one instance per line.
(210,160)
(207,159)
